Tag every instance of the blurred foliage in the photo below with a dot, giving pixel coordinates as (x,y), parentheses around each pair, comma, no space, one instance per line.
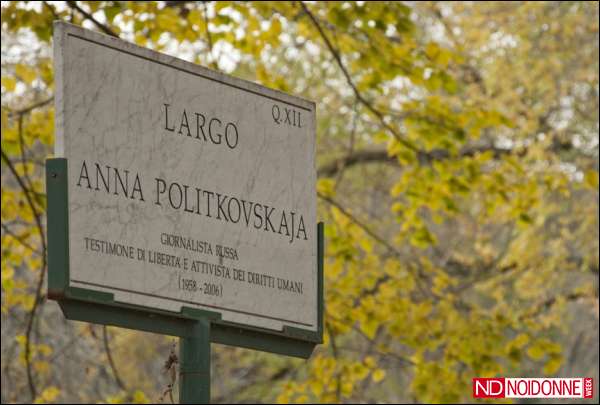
(458,178)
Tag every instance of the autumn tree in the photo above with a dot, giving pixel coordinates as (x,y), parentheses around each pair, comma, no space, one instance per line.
(458,179)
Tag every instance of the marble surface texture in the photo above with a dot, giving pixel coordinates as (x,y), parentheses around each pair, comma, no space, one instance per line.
(169,162)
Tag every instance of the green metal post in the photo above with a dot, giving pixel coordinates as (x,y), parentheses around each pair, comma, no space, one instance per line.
(194,369)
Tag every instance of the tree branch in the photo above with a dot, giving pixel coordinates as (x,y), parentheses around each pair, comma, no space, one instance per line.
(38,291)
(30,108)
(231,394)
(382,156)
(111,362)
(52,10)
(19,238)
(350,82)
(209,40)
(547,304)
(473,72)
(356,158)
(104,28)
(417,274)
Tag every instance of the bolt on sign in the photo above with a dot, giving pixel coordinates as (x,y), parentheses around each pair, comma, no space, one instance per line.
(179,193)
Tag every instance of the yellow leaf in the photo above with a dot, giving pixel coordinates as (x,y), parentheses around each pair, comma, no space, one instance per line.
(139,398)
(45,350)
(369,327)
(9,83)
(316,386)
(521,340)
(347,388)
(591,179)
(365,244)
(7,273)
(41,366)
(378,375)
(25,73)
(360,370)
(48,395)
(326,187)
(21,339)
(552,365)
(303,399)
(370,362)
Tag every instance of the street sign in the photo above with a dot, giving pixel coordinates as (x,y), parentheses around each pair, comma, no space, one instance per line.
(179,194)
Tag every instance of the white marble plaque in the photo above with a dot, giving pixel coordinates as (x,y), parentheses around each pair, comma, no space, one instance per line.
(186,187)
